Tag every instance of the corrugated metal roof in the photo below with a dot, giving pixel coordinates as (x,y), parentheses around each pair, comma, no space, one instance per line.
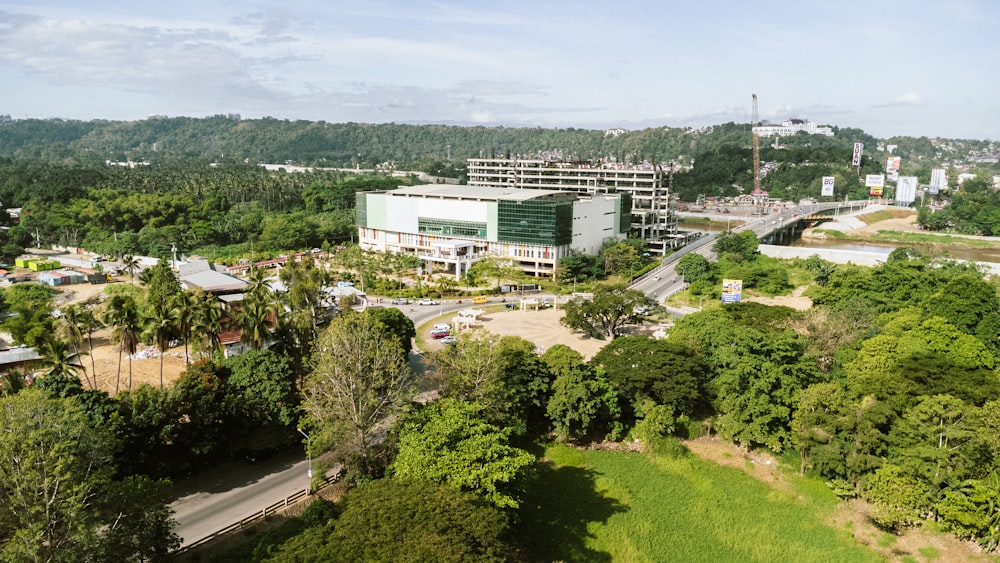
(18,355)
(212,281)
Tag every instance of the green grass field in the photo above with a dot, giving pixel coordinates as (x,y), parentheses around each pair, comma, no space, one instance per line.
(616,506)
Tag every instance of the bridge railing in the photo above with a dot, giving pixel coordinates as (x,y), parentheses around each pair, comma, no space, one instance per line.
(259,515)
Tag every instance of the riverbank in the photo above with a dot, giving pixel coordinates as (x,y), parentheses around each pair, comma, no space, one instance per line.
(888,228)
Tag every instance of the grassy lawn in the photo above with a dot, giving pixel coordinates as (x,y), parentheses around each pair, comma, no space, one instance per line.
(616,506)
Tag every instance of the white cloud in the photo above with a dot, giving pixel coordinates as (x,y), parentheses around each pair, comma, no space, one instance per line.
(905,99)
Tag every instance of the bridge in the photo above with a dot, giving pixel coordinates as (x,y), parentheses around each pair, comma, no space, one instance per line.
(663,281)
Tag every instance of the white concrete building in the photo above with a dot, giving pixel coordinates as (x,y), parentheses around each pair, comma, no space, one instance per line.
(651,216)
(791,127)
(459,225)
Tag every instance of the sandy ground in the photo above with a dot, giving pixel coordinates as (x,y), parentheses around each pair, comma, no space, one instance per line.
(543,328)
(104,360)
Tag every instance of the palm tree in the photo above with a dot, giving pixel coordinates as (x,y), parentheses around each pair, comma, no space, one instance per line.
(59,359)
(160,329)
(123,315)
(90,324)
(72,327)
(256,320)
(184,312)
(208,322)
(257,285)
(130,264)
(12,382)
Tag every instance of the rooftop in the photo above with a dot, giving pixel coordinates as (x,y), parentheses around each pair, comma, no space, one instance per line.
(481,193)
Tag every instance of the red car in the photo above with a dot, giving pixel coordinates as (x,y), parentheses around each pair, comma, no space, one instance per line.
(439,333)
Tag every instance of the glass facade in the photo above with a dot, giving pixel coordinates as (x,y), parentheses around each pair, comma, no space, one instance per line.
(451,227)
(542,221)
(625,219)
(361,209)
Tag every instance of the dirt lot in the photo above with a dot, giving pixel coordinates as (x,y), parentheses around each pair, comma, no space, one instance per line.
(145,363)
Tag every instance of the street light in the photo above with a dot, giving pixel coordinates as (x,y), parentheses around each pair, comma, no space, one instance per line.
(309,473)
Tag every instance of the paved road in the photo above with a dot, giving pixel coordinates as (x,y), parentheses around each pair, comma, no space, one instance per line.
(226,494)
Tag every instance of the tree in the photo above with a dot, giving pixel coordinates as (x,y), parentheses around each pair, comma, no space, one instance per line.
(257,318)
(59,359)
(359,381)
(207,323)
(160,329)
(163,286)
(738,247)
(449,442)
(611,308)
(759,377)
(29,320)
(131,265)
(583,404)
(897,498)
(938,441)
(123,315)
(621,258)
(577,267)
(59,501)
(397,323)
(393,519)
(500,373)
(184,312)
(262,388)
(694,267)
(670,373)
(819,423)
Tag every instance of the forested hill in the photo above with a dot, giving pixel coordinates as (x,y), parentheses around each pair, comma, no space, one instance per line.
(312,143)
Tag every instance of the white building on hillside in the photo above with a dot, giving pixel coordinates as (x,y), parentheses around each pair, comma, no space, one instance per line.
(791,127)
(459,225)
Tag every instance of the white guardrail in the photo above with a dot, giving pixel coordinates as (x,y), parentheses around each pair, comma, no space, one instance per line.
(258,515)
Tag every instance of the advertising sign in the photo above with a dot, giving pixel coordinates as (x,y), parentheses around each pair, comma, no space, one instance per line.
(856,161)
(827,186)
(892,163)
(892,175)
(732,291)
(875,183)
(906,189)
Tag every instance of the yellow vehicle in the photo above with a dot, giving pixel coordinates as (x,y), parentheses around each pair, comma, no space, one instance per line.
(480,299)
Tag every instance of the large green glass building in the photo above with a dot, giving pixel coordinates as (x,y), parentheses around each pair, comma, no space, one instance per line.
(455,226)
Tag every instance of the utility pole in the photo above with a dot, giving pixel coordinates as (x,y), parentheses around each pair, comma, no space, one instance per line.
(309,473)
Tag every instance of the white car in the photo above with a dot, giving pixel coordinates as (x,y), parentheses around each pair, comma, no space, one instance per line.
(427,302)
(442,326)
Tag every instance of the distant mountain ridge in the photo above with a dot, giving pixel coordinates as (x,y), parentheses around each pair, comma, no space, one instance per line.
(318,143)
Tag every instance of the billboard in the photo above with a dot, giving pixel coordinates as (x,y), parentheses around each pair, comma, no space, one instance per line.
(892,163)
(827,186)
(856,161)
(892,175)
(906,189)
(732,291)
(875,183)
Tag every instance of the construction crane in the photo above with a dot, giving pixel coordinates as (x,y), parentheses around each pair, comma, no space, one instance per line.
(756,147)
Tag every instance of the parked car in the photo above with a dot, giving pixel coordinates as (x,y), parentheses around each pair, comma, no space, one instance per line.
(438,333)
(441,326)
(427,302)
(449,340)
(400,301)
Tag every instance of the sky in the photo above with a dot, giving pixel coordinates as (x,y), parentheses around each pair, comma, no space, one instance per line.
(906,67)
